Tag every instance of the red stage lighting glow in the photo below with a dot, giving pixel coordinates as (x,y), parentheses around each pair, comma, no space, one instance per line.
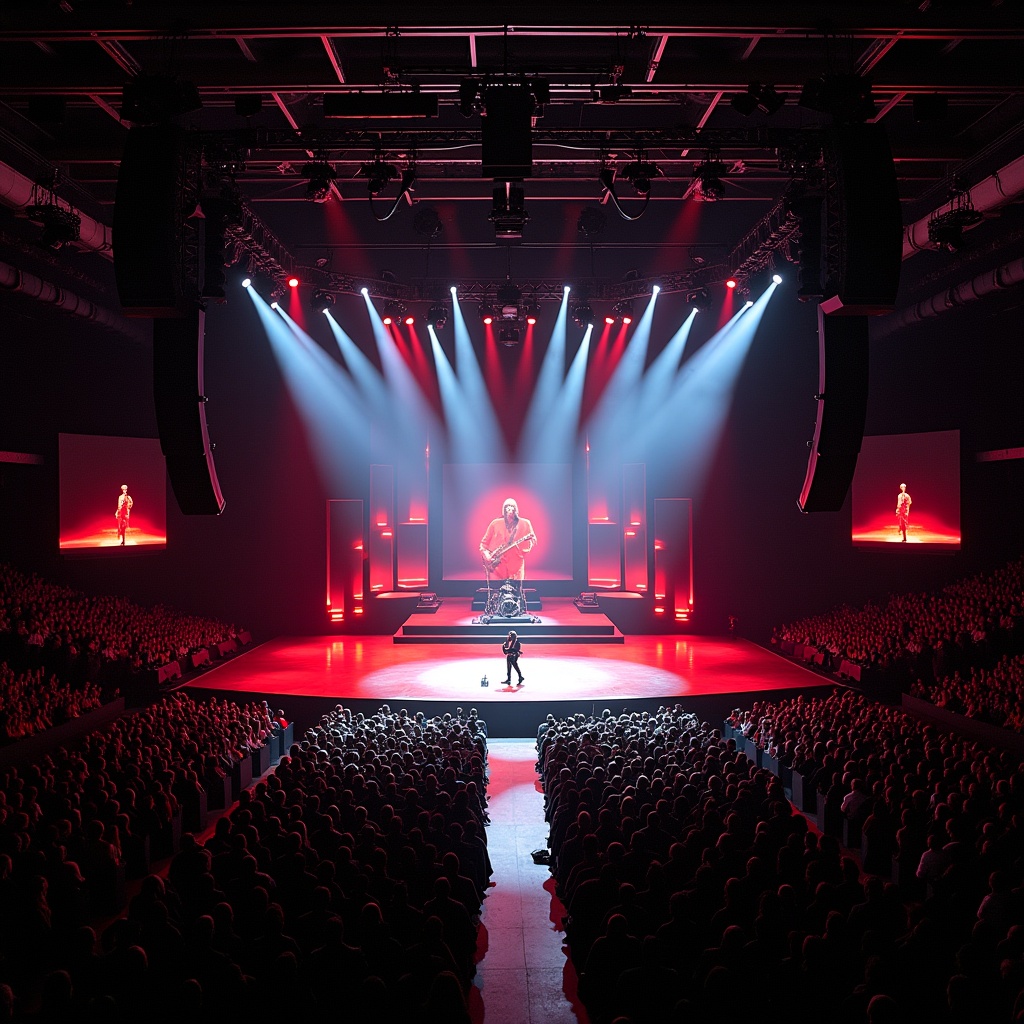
(609,319)
(531,320)
(731,283)
(488,319)
(409,321)
(293,282)
(627,320)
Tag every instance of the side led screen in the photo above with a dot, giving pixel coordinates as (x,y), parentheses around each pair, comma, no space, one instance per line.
(113,492)
(906,490)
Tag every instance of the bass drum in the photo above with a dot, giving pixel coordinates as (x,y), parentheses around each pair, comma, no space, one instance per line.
(508,599)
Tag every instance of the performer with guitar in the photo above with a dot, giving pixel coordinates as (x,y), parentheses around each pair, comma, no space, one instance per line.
(507,540)
(502,548)
(512,648)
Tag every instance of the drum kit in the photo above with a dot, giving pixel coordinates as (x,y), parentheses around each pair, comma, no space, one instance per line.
(506,601)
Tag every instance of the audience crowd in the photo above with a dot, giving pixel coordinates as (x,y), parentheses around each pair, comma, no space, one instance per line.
(966,625)
(693,889)
(995,695)
(347,883)
(29,704)
(83,638)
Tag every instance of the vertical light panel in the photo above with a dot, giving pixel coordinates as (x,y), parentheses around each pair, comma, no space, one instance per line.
(345,555)
(412,536)
(634,527)
(673,558)
(382,529)
(604,539)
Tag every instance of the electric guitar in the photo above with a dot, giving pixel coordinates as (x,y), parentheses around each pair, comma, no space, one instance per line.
(495,560)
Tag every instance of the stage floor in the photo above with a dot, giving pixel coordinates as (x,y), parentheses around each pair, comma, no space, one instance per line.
(374,668)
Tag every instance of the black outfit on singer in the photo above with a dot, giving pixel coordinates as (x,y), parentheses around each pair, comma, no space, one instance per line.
(512,649)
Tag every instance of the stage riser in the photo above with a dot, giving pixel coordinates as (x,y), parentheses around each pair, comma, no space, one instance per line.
(478,638)
(500,629)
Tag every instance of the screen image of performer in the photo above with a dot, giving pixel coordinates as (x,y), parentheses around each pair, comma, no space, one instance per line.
(512,648)
(124,510)
(507,540)
(903,503)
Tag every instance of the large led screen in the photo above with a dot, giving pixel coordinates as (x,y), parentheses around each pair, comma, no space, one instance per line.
(907,490)
(473,495)
(113,492)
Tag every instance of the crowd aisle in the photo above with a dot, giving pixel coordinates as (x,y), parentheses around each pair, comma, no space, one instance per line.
(523,974)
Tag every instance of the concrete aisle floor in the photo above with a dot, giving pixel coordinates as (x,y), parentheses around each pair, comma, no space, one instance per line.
(523,974)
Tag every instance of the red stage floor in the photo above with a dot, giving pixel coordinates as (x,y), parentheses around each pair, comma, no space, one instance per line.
(374,668)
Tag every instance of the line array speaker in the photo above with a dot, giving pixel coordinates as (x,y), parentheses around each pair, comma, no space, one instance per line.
(505,133)
(842,404)
(864,235)
(181,413)
(155,241)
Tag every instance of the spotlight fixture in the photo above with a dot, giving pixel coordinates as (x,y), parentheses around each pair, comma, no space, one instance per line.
(946,229)
(591,221)
(747,304)
(274,305)
(582,314)
(609,319)
(640,173)
(427,222)
(531,311)
(319,175)
(392,312)
(378,173)
(758,97)
(700,299)
(321,301)
(508,212)
(437,316)
(622,310)
(60,224)
(486,313)
(745,103)
(707,186)
(509,336)
(409,320)
(508,301)
(776,279)
(293,282)
(246,282)
(731,283)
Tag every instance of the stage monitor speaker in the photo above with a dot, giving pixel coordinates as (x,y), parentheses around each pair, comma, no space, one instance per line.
(155,241)
(842,403)
(506,141)
(864,232)
(181,414)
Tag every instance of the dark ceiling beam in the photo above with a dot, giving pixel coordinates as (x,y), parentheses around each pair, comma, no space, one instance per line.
(876,50)
(988,77)
(246,49)
(120,56)
(275,20)
(334,57)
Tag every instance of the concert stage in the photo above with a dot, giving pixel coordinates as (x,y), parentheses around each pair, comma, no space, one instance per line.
(307,676)
(559,622)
